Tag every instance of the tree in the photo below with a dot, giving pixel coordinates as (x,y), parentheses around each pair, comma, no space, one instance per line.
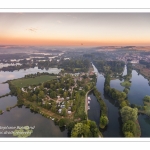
(41,95)
(53,94)
(126,90)
(65,94)
(63,112)
(77,130)
(128,113)
(61,122)
(86,128)
(34,97)
(129,128)
(147,98)
(1,112)
(103,121)
(123,103)
(128,134)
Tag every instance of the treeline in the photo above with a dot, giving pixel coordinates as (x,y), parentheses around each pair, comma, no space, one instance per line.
(109,67)
(38,74)
(130,127)
(78,65)
(17,67)
(143,62)
(86,128)
(103,109)
(127,82)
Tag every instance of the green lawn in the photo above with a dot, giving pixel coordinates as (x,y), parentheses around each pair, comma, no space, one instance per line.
(24,82)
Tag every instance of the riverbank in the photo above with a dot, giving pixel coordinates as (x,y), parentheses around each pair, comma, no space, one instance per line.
(7,94)
(141,69)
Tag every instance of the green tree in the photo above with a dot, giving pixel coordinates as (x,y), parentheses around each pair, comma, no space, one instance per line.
(53,94)
(123,103)
(41,95)
(147,98)
(34,97)
(63,112)
(129,127)
(65,94)
(103,121)
(128,134)
(1,112)
(61,122)
(128,113)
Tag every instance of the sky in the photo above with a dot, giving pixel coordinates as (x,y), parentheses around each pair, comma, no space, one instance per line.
(75,29)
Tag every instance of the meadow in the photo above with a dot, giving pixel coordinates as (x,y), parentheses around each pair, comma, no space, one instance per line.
(25,82)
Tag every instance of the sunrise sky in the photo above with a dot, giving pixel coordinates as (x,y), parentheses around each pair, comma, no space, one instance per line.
(75,29)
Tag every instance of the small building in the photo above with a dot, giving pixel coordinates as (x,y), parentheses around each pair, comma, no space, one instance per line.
(62,106)
(89,98)
(69,108)
(67,98)
(59,110)
(69,112)
(58,96)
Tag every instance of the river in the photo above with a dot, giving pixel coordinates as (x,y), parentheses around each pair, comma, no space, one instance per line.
(17,116)
(46,128)
(139,88)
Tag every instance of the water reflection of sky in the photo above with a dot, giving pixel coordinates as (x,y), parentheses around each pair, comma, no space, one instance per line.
(24,117)
(4,88)
(139,88)
(7,101)
(4,76)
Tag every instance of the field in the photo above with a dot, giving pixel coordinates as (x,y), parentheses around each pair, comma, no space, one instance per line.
(24,82)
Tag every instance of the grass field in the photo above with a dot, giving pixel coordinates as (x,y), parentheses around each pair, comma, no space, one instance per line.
(24,82)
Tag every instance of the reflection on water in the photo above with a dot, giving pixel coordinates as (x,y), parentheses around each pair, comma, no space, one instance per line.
(4,76)
(4,88)
(7,101)
(94,112)
(116,84)
(144,122)
(139,88)
(23,117)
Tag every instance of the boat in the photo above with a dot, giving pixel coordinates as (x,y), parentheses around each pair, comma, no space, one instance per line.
(88,102)
(88,107)
(89,98)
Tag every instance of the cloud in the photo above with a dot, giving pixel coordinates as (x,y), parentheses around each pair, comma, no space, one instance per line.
(32,29)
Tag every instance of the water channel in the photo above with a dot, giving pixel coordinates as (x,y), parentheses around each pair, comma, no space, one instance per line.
(139,88)
(46,128)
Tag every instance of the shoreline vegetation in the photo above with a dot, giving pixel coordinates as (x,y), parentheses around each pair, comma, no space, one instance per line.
(103,109)
(7,94)
(61,99)
(130,124)
(141,69)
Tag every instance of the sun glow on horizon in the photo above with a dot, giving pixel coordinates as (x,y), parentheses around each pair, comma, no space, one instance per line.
(74,29)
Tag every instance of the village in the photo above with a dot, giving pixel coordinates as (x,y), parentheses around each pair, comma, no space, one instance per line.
(59,95)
